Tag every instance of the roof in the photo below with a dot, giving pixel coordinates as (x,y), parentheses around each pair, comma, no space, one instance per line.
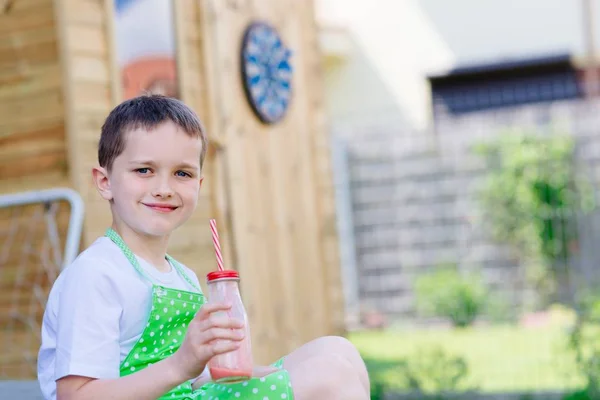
(497,70)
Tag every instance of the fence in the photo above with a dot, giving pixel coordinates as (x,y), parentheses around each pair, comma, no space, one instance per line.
(430,210)
(416,207)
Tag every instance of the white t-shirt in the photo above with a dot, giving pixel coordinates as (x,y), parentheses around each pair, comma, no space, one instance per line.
(96,311)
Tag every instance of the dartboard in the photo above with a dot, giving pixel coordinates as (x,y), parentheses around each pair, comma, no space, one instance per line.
(266,72)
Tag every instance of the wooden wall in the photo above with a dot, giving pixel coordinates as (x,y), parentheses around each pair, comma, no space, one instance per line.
(32,133)
(279,186)
(270,188)
(33,155)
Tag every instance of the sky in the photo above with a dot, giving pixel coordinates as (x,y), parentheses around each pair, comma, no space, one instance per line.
(144,27)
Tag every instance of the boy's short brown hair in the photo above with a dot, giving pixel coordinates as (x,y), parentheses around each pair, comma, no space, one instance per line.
(146,111)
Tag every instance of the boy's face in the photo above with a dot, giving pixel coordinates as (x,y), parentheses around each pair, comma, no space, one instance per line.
(154,183)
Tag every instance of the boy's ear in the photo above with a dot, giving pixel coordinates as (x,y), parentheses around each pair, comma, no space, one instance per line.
(201,180)
(100,176)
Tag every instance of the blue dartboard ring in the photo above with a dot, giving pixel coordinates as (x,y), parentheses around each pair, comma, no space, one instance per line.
(266,72)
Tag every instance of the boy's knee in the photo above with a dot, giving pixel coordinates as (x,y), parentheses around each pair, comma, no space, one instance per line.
(344,381)
(338,344)
(341,347)
(342,369)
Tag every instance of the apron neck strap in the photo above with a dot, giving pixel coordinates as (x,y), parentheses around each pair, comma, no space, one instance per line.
(116,238)
(181,272)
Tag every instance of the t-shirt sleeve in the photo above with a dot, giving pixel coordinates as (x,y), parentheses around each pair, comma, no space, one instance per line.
(89,310)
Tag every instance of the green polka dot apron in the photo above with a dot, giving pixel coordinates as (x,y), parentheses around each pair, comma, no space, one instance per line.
(171,312)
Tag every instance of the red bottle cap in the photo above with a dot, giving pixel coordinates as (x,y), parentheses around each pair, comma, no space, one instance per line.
(227,274)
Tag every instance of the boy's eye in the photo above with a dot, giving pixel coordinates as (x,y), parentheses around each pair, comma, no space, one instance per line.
(142,170)
(183,174)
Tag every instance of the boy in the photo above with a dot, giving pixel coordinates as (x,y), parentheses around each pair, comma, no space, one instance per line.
(116,323)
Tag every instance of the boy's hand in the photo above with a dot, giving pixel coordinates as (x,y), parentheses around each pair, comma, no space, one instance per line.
(208,335)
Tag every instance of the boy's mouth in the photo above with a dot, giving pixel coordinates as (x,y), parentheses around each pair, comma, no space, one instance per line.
(165,208)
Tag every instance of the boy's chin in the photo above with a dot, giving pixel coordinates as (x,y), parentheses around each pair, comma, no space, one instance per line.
(155,231)
(158,231)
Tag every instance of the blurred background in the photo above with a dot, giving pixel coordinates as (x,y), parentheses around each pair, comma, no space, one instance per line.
(421,176)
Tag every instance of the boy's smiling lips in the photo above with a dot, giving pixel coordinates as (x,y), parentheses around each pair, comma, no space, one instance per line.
(161,207)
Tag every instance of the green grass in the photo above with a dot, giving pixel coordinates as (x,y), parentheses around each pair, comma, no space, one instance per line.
(500,359)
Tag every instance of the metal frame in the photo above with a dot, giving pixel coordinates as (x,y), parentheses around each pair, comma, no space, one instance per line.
(48,196)
(30,388)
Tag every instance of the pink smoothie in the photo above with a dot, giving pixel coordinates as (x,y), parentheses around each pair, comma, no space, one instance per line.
(229,375)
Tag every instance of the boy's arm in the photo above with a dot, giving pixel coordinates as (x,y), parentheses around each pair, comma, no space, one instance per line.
(202,379)
(149,383)
(208,335)
(87,341)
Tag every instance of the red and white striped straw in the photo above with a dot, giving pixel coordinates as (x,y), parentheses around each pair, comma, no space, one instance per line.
(215,237)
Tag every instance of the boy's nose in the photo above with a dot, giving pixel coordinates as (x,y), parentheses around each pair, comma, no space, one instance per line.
(163,189)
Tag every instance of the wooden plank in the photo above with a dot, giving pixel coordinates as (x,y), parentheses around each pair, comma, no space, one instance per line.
(86,51)
(90,122)
(24,37)
(46,103)
(66,11)
(182,52)
(323,175)
(209,53)
(44,80)
(83,12)
(15,156)
(32,165)
(17,141)
(217,191)
(281,161)
(43,180)
(92,97)
(89,69)
(253,261)
(193,11)
(116,84)
(29,55)
(10,127)
(50,114)
(284,164)
(24,19)
(20,74)
(268,244)
(28,5)
(195,58)
(242,202)
(302,235)
(308,212)
(88,40)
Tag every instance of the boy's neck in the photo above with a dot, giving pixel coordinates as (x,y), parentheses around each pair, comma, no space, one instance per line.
(150,248)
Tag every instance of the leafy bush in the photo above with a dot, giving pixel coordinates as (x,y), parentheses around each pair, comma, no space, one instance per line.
(446,293)
(584,342)
(529,198)
(433,371)
(428,371)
